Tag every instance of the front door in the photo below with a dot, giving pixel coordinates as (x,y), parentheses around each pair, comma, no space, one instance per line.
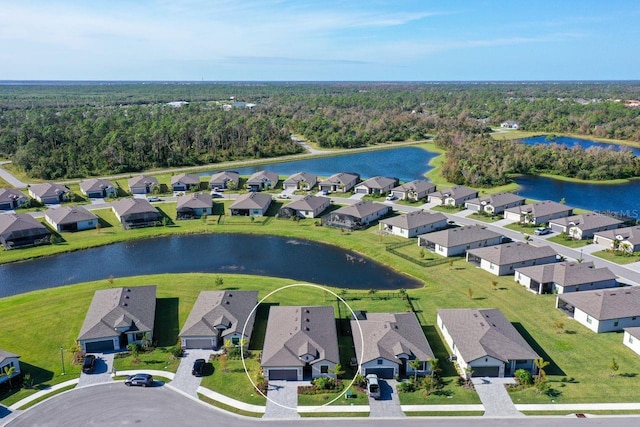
(403,367)
(306,372)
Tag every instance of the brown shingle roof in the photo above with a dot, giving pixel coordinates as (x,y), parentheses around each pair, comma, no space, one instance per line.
(606,303)
(630,234)
(301,177)
(185,178)
(194,201)
(379,182)
(9,195)
(15,225)
(131,206)
(418,186)
(142,181)
(498,199)
(457,192)
(541,209)
(48,190)
(308,203)
(211,307)
(95,184)
(252,200)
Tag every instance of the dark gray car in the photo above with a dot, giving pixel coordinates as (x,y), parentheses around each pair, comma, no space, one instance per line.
(144,380)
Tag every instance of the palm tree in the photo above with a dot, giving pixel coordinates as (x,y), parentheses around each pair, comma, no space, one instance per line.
(541,364)
(8,371)
(415,364)
(337,370)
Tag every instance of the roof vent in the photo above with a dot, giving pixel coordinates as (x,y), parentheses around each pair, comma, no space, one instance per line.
(227,302)
(124,304)
(307,319)
(481,324)
(129,290)
(306,329)
(126,297)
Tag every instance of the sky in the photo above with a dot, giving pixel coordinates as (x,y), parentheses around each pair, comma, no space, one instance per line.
(326,40)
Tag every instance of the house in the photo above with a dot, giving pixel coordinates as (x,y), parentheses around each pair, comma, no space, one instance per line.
(7,361)
(538,213)
(307,207)
(413,223)
(142,184)
(455,196)
(194,205)
(136,213)
(219,316)
(584,226)
(355,216)
(505,259)
(391,342)
(300,181)
(224,180)
(300,343)
(563,277)
(605,310)
(185,182)
(98,188)
(341,182)
(376,185)
(251,204)
(12,199)
(414,190)
(458,240)
(484,343)
(48,193)
(509,124)
(627,238)
(494,204)
(18,230)
(262,180)
(631,338)
(118,317)
(71,218)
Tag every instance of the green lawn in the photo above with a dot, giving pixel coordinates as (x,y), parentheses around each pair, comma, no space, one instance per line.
(571,243)
(233,380)
(158,358)
(485,218)
(618,259)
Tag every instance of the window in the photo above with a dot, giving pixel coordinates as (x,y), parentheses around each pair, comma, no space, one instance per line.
(630,339)
(616,322)
(379,361)
(589,319)
(235,340)
(324,369)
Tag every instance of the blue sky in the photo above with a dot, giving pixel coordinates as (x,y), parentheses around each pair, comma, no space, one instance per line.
(319,40)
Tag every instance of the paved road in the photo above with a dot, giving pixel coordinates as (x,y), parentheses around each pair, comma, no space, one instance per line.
(4,174)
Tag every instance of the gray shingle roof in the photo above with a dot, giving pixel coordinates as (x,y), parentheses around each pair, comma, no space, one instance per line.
(379,182)
(110,308)
(213,308)
(308,203)
(263,176)
(9,195)
(301,177)
(606,304)
(362,209)
(69,215)
(634,332)
(343,178)
(252,200)
(132,206)
(194,201)
(587,221)
(387,334)
(293,331)
(457,192)
(185,178)
(415,219)
(457,236)
(4,355)
(224,176)
(15,224)
(419,186)
(567,273)
(498,199)
(510,253)
(95,184)
(485,332)
(541,209)
(630,234)
(142,181)
(48,190)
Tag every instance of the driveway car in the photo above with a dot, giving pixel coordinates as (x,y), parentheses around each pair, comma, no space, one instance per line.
(541,231)
(390,197)
(284,196)
(373,387)
(153,199)
(89,363)
(144,380)
(215,195)
(198,367)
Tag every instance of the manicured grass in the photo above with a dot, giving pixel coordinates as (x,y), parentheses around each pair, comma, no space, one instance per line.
(46,396)
(233,381)
(158,358)
(320,399)
(485,218)
(618,259)
(523,228)
(447,209)
(459,395)
(228,408)
(571,243)
(509,134)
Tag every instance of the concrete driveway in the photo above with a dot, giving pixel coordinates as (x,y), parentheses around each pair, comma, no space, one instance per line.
(389,404)
(101,371)
(183,379)
(495,398)
(282,399)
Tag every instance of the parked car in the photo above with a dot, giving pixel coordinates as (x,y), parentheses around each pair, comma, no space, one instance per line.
(89,363)
(284,196)
(215,195)
(373,387)
(153,198)
(390,197)
(144,380)
(541,231)
(198,367)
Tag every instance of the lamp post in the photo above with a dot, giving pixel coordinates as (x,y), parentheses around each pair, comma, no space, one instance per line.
(62,359)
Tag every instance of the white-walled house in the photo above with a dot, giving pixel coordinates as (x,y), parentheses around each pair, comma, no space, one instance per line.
(566,276)
(251,204)
(71,218)
(494,204)
(9,360)
(454,196)
(308,206)
(504,259)
(413,190)
(458,240)
(584,226)
(414,223)
(376,185)
(300,181)
(631,339)
(538,213)
(627,239)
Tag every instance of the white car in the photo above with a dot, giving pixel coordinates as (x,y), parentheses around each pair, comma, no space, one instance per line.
(390,197)
(153,198)
(284,196)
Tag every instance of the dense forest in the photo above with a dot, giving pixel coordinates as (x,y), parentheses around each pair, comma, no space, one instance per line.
(55,131)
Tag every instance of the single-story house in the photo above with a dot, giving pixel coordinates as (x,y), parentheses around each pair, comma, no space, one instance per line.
(376,185)
(136,213)
(538,213)
(300,343)
(48,193)
(509,124)
(307,207)
(356,216)
(219,316)
(185,182)
(391,342)
(605,310)
(566,276)
(17,230)
(627,238)
(251,204)
(458,240)
(484,343)
(262,180)
(98,188)
(224,180)
(71,218)
(584,226)
(632,339)
(9,360)
(340,182)
(11,199)
(413,190)
(414,223)
(494,203)
(300,181)
(194,205)
(118,317)
(455,196)
(142,184)
(505,259)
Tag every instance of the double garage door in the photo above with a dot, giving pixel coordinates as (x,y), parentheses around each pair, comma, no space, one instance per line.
(386,373)
(99,346)
(485,371)
(283,374)
(197,343)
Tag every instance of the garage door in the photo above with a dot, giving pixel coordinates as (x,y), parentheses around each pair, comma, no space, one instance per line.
(380,372)
(485,371)
(283,374)
(197,343)
(99,346)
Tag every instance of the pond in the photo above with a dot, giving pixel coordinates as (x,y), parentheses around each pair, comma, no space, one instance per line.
(584,143)
(209,253)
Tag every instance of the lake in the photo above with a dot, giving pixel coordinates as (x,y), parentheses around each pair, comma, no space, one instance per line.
(296,259)
(584,143)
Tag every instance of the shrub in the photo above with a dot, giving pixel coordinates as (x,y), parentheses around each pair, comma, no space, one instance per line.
(406,386)
(177,350)
(523,377)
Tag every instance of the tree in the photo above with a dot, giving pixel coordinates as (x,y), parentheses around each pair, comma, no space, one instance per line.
(110,280)
(470,293)
(219,281)
(541,364)
(559,327)
(133,349)
(8,372)
(337,370)
(146,341)
(494,284)
(415,364)
(613,367)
